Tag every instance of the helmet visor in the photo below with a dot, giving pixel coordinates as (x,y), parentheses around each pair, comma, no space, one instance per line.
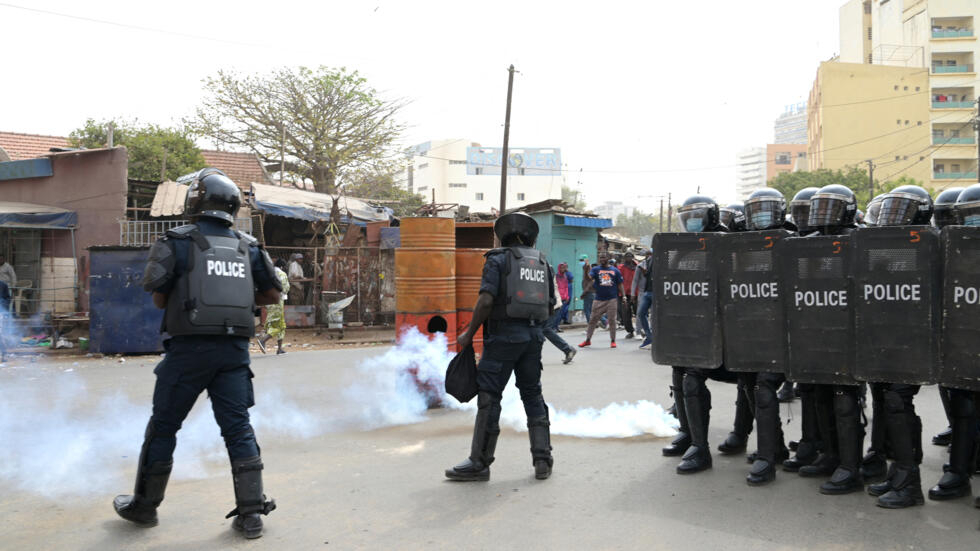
(874,210)
(968,214)
(800,210)
(944,216)
(827,210)
(897,210)
(764,214)
(694,218)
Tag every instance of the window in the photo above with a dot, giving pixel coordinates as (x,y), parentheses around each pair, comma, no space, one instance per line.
(916,88)
(457,185)
(898,157)
(478,170)
(869,33)
(954,167)
(452,162)
(479,196)
(937,133)
(423,165)
(955,133)
(783,158)
(520,171)
(940,169)
(896,87)
(423,188)
(905,88)
(906,123)
(520,196)
(869,59)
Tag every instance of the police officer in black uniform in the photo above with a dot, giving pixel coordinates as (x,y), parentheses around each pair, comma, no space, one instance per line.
(733,217)
(697,214)
(943,215)
(765,209)
(832,211)
(809,445)
(962,408)
(903,206)
(209,278)
(516,296)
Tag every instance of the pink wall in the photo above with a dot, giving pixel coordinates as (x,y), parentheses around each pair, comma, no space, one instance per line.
(93,184)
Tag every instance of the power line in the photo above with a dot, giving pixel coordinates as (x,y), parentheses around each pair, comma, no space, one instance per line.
(130,26)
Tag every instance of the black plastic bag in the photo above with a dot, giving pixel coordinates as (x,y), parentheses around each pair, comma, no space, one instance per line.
(461,375)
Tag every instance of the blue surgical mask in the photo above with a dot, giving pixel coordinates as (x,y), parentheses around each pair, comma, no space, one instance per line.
(971,220)
(694,224)
(581,263)
(762,219)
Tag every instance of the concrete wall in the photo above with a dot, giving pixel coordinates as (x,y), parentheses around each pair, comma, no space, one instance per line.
(93,184)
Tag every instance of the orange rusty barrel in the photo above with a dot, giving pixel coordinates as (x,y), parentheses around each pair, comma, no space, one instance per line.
(425,278)
(469,272)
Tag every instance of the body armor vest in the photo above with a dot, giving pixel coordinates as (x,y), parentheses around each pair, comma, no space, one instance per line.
(216,295)
(525,293)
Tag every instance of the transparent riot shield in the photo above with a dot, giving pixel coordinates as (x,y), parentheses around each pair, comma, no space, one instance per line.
(753,323)
(961,308)
(897,304)
(815,277)
(686,324)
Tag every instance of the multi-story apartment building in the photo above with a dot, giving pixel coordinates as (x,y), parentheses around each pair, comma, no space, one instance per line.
(790,127)
(938,38)
(612,210)
(784,157)
(466,173)
(750,171)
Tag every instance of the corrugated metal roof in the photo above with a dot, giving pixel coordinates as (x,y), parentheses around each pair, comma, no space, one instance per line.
(312,206)
(169,199)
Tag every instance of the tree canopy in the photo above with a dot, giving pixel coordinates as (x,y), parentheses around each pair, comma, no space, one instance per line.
(154,151)
(572,197)
(372,185)
(789,183)
(637,225)
(329,122)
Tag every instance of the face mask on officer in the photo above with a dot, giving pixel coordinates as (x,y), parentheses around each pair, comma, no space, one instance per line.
(971,220)
(694,224)
(762,219)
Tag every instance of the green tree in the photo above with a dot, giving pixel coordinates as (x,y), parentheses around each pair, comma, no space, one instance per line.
(382,188)
(637,225)
(154,151)
(572,197)
(328,122)
(789,183)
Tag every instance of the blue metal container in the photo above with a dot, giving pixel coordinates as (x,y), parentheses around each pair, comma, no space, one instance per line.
(123,317)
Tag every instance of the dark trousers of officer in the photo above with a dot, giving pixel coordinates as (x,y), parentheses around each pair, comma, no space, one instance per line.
(879,433)
(769,428)
(219,365)
(809,426)
(697,400)
(963,421)
(903,426)
(839,420)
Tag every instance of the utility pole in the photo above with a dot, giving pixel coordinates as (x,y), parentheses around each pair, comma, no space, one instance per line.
(163,169)
(112,128)
(503,160)
(670,215)
(871,180)
(661,214)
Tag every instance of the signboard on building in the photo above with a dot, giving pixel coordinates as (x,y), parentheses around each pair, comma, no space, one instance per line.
(523,161)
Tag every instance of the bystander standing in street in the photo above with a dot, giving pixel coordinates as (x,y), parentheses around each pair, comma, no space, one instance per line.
(588,287)
(643,288)
(608,286)
(296,277)
(275,317)
(626,301)
(551,326)
(565,279)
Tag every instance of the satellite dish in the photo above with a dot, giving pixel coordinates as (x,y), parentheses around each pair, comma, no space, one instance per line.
(3,156)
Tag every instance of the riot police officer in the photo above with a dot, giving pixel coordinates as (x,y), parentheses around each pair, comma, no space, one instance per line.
(516,296)
(765,209)
(958,206)
(209,279)
(733,217)
(874,207)
(903,206)
(697,214)
(943,215)
(832,211)
(809,444)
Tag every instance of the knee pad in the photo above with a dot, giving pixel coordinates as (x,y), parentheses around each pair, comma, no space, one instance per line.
(894,404)
(765,395)
(245,434)
(845,402)
(692,385)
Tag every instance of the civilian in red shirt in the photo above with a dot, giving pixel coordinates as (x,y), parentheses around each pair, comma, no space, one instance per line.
(627,303)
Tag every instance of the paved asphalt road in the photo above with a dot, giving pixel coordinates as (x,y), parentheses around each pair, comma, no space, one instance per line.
(384,488)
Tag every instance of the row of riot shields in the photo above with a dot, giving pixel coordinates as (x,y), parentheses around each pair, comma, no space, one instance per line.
(883,304)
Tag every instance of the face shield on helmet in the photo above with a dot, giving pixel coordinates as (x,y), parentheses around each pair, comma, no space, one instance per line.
(800,211)
(899,209)
(695,217)
(829,208)
(874,208)
(765,213)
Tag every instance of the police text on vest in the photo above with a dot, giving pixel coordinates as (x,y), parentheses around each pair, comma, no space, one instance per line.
(226,268)
(821,298)
(529,274)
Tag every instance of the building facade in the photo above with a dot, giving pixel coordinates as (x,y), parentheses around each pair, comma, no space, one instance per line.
(459,171)
(860,112)
(612,210)
(790,127)
(939,38)
(750,171)
(784,157)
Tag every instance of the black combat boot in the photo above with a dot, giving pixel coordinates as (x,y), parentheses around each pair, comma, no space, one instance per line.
(250,501)
(944,438)
(884,486)
(697,401)
(847,477)
(738,439)
(682,441)
(769,434)
(806,454)
(873,466)
(539,433)
(906,490)
(485,433)
(828,459)
(151,484)
(955,481)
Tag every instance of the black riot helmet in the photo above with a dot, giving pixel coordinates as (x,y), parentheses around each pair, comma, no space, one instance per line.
(211,194)
(832,206)
(733,216)
(765,209)
(874,207)
(799,208)
(943,207)
(967,208)
(698,213)
(516,228)
(904,206)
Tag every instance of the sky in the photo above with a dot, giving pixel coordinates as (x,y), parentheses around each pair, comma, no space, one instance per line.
(643,98)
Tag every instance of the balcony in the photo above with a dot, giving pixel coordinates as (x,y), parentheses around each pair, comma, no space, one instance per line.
(952,33)
(939,140)
(952,104)
(947,69)
(954,175)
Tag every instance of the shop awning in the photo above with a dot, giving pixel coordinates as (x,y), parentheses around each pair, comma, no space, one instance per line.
(311,206)
(586,221)
(42,217)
